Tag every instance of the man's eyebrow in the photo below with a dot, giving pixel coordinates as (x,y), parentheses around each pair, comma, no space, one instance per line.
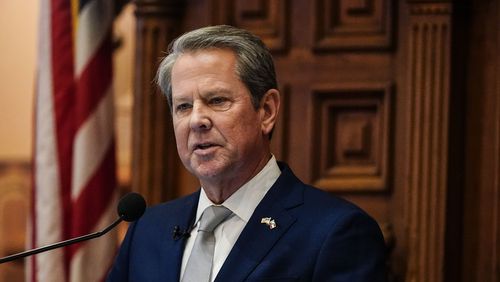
(180,99)
(215,92)
(204,95)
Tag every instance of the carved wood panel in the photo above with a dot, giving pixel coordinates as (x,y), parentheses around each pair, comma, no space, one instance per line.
(351,132)
(266,18)
(349,25)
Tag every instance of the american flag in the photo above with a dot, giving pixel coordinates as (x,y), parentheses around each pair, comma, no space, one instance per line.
(74,184)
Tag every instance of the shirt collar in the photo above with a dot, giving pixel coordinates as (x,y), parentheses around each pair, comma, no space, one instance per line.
(244,201)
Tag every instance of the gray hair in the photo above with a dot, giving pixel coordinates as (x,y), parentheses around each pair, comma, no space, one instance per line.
(254,63)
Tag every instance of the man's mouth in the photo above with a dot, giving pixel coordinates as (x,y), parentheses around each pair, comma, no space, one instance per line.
(204,146)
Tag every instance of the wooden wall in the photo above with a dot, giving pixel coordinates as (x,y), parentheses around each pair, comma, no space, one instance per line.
(392,104)
(481,205)
(374,111)
(14,203)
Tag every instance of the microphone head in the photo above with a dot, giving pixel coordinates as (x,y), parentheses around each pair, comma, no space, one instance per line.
(131,207)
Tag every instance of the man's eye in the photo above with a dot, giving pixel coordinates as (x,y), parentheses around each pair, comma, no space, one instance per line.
(182,107)
(217,100)
(219,103)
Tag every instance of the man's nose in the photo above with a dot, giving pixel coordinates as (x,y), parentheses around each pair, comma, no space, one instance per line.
(200,117)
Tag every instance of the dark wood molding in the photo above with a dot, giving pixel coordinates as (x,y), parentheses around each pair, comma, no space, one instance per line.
(481,211)
(428,79)
(154,156)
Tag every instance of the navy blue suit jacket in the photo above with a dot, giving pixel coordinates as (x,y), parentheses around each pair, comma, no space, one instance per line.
(318,238)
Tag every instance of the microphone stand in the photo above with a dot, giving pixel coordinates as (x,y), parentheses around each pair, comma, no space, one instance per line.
(63,243)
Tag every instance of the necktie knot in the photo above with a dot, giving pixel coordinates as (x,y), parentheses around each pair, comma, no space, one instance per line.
(212,217)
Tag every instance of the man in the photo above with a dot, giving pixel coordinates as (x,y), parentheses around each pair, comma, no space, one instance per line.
(221,87)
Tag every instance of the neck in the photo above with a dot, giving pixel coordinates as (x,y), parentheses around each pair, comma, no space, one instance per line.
(219,190)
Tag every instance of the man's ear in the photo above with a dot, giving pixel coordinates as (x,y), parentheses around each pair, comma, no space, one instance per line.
(270,106)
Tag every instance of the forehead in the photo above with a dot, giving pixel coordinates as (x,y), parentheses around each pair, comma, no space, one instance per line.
(206,60)
(210,68)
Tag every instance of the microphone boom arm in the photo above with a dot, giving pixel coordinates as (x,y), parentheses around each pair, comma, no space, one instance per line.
(63,243)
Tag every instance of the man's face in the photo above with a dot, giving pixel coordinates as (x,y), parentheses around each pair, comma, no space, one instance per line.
(219,134)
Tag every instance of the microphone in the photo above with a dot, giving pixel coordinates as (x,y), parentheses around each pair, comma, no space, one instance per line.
(130,208)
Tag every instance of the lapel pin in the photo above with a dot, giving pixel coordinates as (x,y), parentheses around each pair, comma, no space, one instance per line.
(269,222)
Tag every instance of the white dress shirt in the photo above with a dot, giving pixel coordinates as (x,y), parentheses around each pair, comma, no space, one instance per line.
(242,203)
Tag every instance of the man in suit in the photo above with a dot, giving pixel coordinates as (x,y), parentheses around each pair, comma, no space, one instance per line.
(221,88)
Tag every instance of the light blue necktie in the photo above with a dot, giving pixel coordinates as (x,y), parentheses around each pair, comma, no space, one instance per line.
(199,265)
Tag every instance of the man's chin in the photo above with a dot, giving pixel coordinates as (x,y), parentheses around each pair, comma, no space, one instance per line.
(206,171)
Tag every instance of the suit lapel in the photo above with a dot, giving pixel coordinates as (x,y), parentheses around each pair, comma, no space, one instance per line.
(173,246)
(257,239)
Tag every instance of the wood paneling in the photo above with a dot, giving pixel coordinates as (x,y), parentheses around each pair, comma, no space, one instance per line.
(351,134)
(368,115)
(428,108)
(266,18)
(349,25)
(14,203)
(155,163)
(481,212)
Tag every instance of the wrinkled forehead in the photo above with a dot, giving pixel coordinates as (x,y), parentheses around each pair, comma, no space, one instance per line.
(212,71)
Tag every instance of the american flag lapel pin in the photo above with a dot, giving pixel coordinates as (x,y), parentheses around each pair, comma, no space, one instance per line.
(269,222)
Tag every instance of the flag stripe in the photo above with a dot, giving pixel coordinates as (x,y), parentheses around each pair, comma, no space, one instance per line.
(47,205)
(43,85)
(64,101)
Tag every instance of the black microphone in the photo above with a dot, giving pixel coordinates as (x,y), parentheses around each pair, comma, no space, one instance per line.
(130,208)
